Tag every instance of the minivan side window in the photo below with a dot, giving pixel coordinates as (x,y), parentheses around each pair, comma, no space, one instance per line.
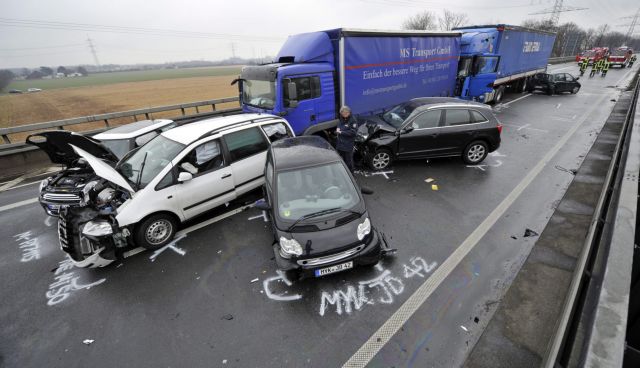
(477,117)
(276,131)
(306,87)
(455,117)
(429,119)
(204,158)
(245,143)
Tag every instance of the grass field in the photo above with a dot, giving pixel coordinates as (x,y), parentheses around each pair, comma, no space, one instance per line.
(63,103)
(122,77)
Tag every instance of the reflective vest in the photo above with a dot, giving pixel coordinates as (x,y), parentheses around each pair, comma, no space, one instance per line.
(600,64)
(605,65)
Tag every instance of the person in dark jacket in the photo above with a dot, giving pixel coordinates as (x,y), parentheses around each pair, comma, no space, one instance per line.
(346,131)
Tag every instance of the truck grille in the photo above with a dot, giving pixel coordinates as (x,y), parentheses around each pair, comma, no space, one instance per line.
(62,198)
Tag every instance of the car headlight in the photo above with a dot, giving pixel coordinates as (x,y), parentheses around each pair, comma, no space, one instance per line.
(85,192)
(289,247)
(364,229)
(97,228)
(43,184)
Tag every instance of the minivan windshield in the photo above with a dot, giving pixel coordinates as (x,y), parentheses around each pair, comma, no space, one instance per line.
(309,190)
(259,93)
(119,147)
(145,163)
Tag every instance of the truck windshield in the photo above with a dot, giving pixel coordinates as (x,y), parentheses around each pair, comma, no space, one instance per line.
(487,64)
(259,93)
(464,66)
(145,163)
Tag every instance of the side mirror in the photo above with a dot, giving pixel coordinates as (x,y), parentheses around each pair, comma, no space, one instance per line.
(262,205)
(407,129)
(293,91)
(184,176)
(577,78)
(366,190)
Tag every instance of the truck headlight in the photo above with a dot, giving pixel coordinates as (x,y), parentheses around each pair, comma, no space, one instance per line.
(289,247)
(97,228)
(364,229)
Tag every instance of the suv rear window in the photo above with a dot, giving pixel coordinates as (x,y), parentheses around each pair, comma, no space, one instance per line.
(457,117)
(245,143)
(477,117)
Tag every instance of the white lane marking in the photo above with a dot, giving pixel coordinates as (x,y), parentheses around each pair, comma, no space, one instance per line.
(195,227)
(517,99)
(523,126)
(558,106)
(262,216)
(11,183)
(371,347)
(19,186)
(172,246)
(18,204)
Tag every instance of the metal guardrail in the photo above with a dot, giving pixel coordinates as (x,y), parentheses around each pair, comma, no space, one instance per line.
(560,349)
(147,113)
(563,59)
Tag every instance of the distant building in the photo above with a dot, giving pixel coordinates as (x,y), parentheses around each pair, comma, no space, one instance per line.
(60,75)
(48,77)
(73,75)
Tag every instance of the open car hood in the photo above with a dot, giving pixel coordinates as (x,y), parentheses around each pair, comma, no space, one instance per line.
(103,170)
(57,145)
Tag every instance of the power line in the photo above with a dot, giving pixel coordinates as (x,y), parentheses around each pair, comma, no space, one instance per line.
(556,10)
(634,22)
(27,23)
(43,47)
(93,51)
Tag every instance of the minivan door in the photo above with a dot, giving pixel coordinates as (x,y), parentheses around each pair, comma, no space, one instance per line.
(211,184)
(247,151)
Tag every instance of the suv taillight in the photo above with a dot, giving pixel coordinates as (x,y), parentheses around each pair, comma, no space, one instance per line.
(499,128)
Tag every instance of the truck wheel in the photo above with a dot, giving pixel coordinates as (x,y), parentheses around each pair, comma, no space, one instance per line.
(381,159)
(156,231)
(475,153)
(499,94)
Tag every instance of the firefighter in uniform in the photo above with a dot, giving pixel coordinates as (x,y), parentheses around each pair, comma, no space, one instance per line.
(584,63)
(599,65)
(632,60)
(594,69)
(605,67)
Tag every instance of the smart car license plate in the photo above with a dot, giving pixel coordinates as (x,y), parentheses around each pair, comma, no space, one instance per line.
(333,269)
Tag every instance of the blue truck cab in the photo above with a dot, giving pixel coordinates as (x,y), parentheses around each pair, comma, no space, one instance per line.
(496,57)
(315,73)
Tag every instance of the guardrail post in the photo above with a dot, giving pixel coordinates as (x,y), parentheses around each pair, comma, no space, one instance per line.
(197,111)
(6,139)
(135,117)
(182,109)
(106,122)
(213,107)
(60,127)
(146,115)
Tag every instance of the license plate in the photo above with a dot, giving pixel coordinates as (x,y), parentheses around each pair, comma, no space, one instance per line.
(333,269)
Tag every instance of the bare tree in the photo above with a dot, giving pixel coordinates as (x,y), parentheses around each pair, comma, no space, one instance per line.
(600,32)
(422,21)
(6,76)
(450,20)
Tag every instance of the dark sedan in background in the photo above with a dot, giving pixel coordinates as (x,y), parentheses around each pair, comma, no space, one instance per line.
(429,127)
(554,83)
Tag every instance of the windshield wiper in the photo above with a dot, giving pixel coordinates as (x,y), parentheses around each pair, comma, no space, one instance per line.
(320,213)
(144,161)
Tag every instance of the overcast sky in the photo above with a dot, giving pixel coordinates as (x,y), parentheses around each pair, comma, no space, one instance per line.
(32,33)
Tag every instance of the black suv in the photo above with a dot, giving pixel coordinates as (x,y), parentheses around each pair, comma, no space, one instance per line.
(554,83)
(429,127)
(319,218)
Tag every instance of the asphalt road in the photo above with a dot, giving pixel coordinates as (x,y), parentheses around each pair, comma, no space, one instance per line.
(199,304)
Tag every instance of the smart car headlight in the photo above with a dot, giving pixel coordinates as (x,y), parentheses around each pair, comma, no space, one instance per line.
(290,247)
(97,228)
(364,229)
(44,183)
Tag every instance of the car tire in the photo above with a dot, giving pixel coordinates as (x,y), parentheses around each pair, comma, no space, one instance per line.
(381,159)
(575,90)
(155,231)
(475,152)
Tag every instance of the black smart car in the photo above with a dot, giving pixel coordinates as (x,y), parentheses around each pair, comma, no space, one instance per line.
(428,127)
(319,218)
(554,83)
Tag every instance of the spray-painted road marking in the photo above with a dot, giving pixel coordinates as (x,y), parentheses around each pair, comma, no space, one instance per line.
(65,283)
(11,206)
(526,126)
(482,167)
(496,154)
(383,173)
(29,246)
(374,344)
(281,277)
(172,246)
(264,216)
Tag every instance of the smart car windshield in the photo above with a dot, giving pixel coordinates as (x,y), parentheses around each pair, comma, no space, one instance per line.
(309,190)
(397,115)
(145,163)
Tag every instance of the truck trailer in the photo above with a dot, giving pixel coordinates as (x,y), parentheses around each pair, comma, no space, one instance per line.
(316,73)
(494,58)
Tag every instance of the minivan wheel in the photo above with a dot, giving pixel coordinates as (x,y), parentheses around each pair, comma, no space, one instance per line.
(156,231)
(381,159)
(475,153)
